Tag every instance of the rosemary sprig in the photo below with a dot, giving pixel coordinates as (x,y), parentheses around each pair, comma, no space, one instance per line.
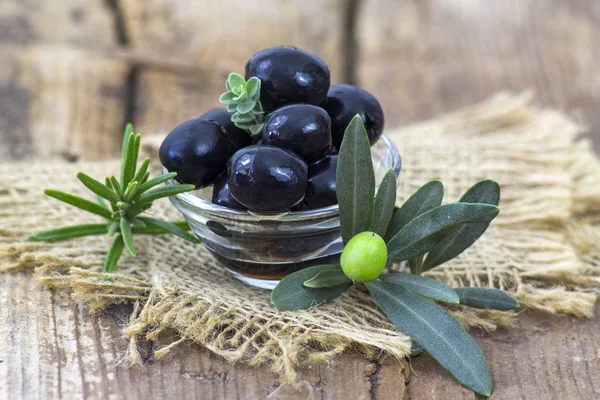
(120,203)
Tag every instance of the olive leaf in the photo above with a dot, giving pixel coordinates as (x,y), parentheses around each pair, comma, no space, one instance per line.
(415,349)
(355,181)
(486,298)
(437,331)
(422,233)
(328,278)
(428,197)
(291,294)
(423,286)
(415,264)
(384,203)
(462,237)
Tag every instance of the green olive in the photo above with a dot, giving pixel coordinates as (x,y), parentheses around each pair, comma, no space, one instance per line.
(364,257)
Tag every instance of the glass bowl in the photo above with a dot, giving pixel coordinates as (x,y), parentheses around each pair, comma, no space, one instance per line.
(259,249)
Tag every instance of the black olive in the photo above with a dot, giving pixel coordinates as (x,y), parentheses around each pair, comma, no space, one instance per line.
(237,137)
(266,178)
(222,196)
(197,150)
(320,190)
(289,75)
(302,128)
(344,102)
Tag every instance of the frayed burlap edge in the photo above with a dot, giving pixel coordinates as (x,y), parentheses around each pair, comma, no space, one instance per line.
(566,283)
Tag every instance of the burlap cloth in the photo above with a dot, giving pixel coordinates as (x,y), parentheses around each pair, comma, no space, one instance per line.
(544,247)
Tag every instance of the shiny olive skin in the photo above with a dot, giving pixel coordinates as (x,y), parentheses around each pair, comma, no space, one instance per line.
(320,189)
(344,102)
(197,150)
(267,179)
(222,196)
(237,137)
(302,128)
(289,75)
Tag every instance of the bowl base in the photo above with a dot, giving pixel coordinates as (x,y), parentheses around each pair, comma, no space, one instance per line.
(255,282)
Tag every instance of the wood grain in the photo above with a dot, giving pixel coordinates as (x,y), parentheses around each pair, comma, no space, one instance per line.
(420,58)
(186,31)
(222,35)
(89,24)
(51,348)
(61,102)
(65,90)
(61,96)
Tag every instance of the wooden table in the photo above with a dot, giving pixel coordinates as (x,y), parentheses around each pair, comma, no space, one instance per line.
(71,74)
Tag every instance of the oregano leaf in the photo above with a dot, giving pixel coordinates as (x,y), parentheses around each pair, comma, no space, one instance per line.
(227,98)
(236,81)
(256,129)
(245,107)
(253,87)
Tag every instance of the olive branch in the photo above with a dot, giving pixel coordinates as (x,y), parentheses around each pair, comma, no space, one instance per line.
(424,234)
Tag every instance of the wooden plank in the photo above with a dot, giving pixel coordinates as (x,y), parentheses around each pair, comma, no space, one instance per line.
(70,21)
(421,58)
(15,100)
(58,102)
(164,99)
(222,35)
(51,348)
(543,358)
(217,38)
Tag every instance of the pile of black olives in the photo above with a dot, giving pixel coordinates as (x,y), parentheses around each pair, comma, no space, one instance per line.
(292,165)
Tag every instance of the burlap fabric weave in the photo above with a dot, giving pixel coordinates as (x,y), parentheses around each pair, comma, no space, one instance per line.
(544,247)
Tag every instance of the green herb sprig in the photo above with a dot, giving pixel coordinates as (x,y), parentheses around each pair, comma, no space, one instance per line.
(121,203)
(242,98)
(423,233)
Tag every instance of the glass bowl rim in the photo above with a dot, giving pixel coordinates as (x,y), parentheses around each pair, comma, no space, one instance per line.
(193,202)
